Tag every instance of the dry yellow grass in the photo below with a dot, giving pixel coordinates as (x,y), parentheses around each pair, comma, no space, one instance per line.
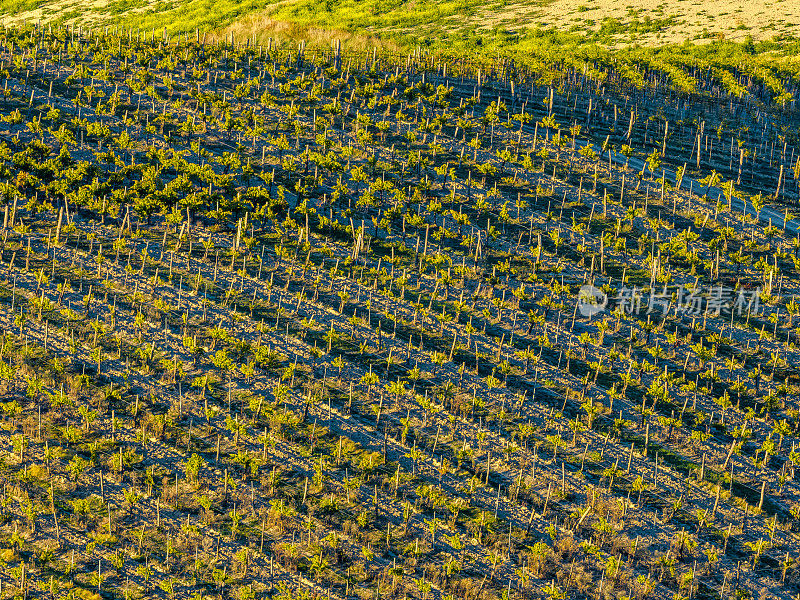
(735,19)
(263,27)
(692,19)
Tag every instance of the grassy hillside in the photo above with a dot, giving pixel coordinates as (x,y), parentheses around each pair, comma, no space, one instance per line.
(456,24)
